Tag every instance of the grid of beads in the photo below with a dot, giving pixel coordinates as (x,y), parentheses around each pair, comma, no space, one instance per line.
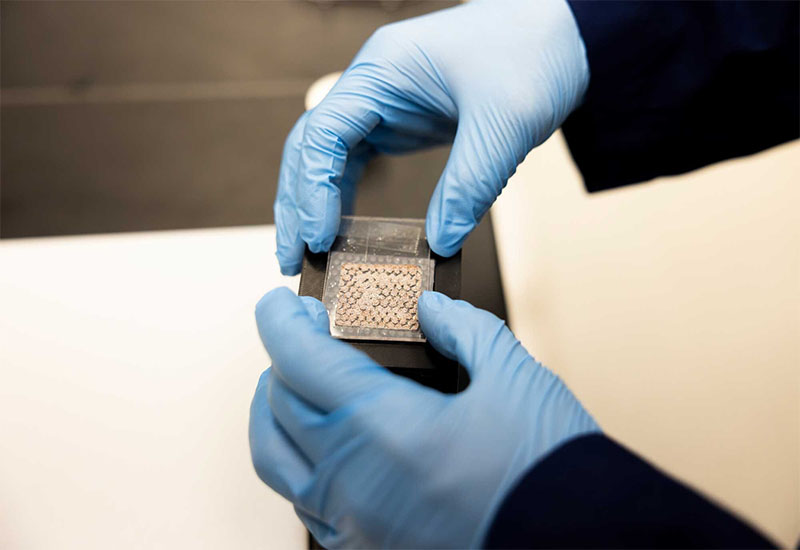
(380,296)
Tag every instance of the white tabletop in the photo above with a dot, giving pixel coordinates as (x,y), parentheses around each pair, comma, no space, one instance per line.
(127,367)
(127,362)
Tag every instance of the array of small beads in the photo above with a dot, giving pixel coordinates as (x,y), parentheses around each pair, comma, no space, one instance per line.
(378,296)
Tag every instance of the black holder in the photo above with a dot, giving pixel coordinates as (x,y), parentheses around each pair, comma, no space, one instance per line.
(417,361)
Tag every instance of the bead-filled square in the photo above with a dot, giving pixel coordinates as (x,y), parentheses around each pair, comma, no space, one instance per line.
(381,296)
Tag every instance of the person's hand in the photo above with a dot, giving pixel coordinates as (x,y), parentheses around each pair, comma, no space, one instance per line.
(494,77)
(371,459)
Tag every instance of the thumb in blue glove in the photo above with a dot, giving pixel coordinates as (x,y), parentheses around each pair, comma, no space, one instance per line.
(370,459)
(494,78)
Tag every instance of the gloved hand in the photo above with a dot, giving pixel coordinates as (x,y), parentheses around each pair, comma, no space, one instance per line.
(494,77)
(371,459)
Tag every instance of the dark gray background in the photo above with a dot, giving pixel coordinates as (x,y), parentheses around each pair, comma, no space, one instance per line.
(126,116)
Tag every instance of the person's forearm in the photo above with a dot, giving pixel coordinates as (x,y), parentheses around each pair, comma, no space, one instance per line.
(678,85)
(593,493)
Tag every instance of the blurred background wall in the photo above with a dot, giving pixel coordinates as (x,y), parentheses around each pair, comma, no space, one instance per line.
(120,116)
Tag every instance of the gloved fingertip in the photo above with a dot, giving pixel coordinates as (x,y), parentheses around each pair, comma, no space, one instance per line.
(444,250)
(319,243)
(432,310)
(290,263)
(431,302)
(319,217)
(289,269)
(316,310)
(318,237)
(276,293)
(269,300)
(447,236)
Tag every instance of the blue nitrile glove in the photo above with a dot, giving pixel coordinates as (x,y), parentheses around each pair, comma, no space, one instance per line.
(494,77)
(371,459)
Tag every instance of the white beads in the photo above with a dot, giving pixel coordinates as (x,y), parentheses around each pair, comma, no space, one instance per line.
(380,296)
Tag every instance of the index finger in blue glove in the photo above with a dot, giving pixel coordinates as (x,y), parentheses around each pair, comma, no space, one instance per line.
(290,245)
(333,129)
(314,432)
(324,371)
(276,458)
(317,312)
(480,163)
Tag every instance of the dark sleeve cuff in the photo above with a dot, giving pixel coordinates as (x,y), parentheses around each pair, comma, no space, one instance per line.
(679,85)
(593,493)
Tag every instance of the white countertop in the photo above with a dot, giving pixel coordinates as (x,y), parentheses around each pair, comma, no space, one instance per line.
(127,362)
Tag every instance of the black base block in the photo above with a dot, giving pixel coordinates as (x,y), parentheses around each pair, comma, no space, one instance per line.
(415,360)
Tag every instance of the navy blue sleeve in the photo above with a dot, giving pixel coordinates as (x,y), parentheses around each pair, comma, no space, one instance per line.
(593,493)
(679,85)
